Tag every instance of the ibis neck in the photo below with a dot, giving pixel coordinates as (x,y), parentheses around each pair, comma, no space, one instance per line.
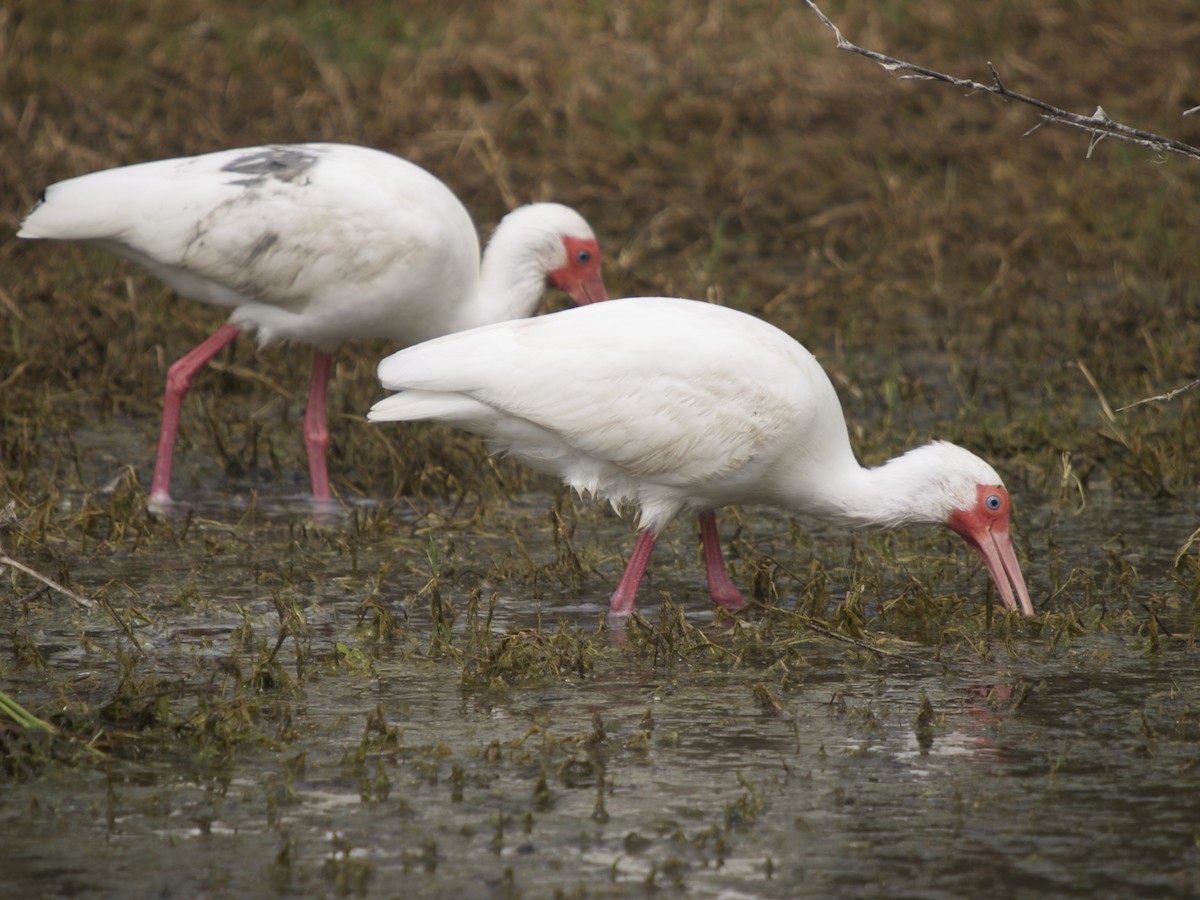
(511,283)
(901,491)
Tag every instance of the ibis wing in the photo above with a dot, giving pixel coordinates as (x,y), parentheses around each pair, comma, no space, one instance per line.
(284,225)
(601,385)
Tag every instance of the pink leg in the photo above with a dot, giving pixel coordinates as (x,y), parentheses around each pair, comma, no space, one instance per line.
(723,591)
(179,379)
(625,596)
(316,431)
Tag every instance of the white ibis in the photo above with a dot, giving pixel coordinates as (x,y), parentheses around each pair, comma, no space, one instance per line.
(674,405)
(316,243)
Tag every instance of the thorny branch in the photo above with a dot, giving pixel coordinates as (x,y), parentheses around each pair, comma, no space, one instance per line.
(1169,395)
(1098,124)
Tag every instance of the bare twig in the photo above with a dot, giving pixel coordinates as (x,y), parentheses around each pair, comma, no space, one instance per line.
(814,626)
(846,639)
(1169,395)
(6,560)
(1098,124)
(8,514)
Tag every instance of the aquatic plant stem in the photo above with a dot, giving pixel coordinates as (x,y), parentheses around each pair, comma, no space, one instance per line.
(22,716)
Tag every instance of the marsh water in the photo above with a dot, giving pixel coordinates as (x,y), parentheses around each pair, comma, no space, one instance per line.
(1009,761)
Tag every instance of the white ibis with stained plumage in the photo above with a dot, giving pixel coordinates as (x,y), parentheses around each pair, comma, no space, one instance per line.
(320,244)
(676,405)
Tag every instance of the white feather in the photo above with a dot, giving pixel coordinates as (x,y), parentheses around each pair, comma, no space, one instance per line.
(319,243)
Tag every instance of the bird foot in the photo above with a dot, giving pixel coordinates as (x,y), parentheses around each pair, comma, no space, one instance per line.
(729,598)
(160,504)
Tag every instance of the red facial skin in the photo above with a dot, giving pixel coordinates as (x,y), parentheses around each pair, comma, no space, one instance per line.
(985,527)
(580,277)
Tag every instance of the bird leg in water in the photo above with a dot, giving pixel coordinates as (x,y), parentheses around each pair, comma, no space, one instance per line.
(724,593)
(625,596)
(179,379)
(316,431)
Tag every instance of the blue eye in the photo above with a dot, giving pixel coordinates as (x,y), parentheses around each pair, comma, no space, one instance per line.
(992,502)
(583,257)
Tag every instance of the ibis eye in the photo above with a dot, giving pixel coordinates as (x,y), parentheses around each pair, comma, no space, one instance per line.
(583,257)
(992,502)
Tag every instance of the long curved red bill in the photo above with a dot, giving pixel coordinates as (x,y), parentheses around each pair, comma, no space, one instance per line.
(996,548)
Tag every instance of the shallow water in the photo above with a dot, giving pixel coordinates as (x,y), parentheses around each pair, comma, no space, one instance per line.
(1050,767)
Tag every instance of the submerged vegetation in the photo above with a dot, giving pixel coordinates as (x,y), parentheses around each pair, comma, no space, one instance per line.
(440,646)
